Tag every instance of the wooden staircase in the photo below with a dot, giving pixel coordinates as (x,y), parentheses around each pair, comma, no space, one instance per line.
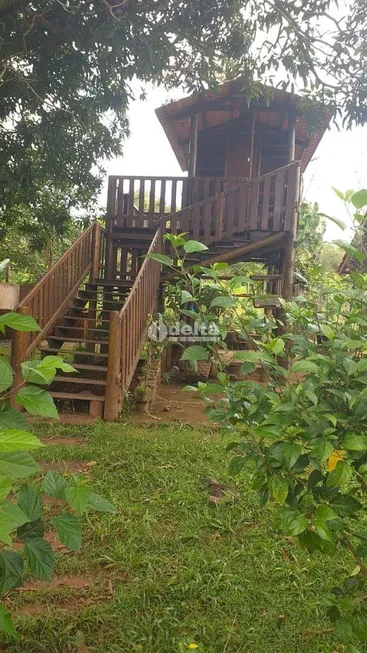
(96,324)
(84,330)
(93,306)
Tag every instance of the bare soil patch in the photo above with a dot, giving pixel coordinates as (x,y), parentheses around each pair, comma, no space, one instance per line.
(67,466)
(174,405)
(64,442)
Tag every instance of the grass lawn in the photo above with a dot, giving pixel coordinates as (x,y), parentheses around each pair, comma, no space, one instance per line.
(172,569)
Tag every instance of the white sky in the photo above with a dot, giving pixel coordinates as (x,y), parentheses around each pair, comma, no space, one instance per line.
(339,161)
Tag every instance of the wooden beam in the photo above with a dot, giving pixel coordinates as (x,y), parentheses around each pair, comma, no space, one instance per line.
(291,149)
(273,239)
(252,146)
(113,379)
(193,147)
(289,250)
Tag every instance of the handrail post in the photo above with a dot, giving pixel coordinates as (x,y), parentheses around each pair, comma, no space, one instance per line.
(113,379)
(95,251)
(220,217)
(19,346)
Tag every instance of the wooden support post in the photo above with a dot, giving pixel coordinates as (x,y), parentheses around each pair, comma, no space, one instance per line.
(160,299)
(112,396)
(252,146)
(289,249)
(95,252)
(109,257)
(19,346)
(193,146)
(95,408)
(291,148)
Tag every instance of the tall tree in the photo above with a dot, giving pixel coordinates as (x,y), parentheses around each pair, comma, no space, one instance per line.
(66,68)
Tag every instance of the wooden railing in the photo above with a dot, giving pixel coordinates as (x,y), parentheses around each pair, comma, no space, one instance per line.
(263,204)
(51,295)
(140,201)
(272,198)
(128,329)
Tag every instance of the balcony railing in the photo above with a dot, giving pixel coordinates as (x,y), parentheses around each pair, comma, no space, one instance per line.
(140,201)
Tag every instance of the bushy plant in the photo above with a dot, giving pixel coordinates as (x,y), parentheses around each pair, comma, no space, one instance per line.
(302,433)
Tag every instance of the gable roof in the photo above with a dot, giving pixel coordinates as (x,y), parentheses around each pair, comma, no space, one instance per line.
(227,103)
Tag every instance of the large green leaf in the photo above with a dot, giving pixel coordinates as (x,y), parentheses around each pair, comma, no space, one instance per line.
(100,503)
(54,485)
(192,246)
(276,346)
(291,453)
(55,363)
(5,486)
(195,353)
(340,475)
(29,500)
(19,322)
(236,465)
(6,374)
(304,366)
(39,556)
(358,622)
(37,401)
(17,440)
(345,505)
(321,449)
(33,372)
(351,251)
(278,488)
(359,199)
(11,565)
(18,464)
(290,521)
(6,527)
(161,258)
(13,419)
(78,497)
(186,297)
(6,624)
(355,442)
(69,531)
(15,513)
(31,529)
(223,302)
(323,515)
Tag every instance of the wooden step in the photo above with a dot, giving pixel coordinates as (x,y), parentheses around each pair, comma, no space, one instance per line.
(82,328)
(81,317)
(102,292)
(80,340)
(91,368)
(123,283)
(74,352)
(80,380)
(85,396)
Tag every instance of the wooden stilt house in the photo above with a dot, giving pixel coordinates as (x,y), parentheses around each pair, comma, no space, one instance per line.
(238,194)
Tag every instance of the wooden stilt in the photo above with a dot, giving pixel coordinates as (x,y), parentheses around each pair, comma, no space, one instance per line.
(193,146)
(113,400)
(96,246)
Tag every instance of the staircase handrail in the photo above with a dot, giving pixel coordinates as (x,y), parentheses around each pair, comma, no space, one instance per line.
(128,329)
(47,300)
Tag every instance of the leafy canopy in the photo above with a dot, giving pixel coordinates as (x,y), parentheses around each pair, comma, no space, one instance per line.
(66,70)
